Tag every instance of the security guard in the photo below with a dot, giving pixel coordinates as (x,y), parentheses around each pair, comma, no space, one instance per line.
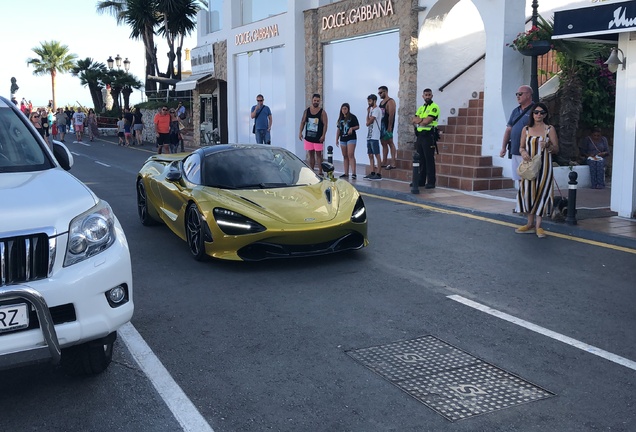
(425,121)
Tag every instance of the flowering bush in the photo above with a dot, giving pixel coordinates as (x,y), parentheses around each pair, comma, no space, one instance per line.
(524,40)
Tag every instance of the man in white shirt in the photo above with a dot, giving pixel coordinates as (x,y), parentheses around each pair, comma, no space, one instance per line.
(374,116)
(78,123)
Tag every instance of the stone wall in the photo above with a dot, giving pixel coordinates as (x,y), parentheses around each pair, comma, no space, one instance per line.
(404,18)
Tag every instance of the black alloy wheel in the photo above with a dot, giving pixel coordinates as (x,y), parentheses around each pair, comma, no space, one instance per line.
(194,232)
(142,204)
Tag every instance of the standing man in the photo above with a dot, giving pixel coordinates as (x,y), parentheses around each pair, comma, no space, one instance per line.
(374,116)
(162,130)
(518,120)
(60,121)
(425,121)
(314,126)
(387,105)
(181,111)
(78,123)
(262,116)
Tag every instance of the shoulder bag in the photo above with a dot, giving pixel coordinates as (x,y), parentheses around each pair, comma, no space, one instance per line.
(528,170)
(255,118)
(509,143)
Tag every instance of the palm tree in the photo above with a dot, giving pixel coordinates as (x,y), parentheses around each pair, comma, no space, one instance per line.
(53,58)
(120,82)
(90,74)
(178,19)
(141,17)
(570,56)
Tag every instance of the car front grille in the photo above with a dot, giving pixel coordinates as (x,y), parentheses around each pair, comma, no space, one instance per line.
(25,258)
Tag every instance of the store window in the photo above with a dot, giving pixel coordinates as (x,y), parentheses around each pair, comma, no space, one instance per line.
(215,17)
(256,10)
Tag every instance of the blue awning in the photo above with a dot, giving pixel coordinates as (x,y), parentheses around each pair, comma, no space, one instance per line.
(601,22)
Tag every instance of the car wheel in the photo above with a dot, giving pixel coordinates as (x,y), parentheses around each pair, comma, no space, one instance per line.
(142,205)
(89,358)
(194,232)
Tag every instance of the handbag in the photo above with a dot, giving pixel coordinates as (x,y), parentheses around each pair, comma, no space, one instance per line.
(528,170)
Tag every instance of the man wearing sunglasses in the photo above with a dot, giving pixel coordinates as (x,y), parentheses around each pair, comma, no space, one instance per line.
(517,121)
(162,130)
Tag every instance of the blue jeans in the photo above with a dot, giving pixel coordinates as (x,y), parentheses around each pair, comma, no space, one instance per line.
(262,136)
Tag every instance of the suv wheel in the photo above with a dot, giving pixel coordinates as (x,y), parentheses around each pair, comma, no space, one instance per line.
(89,358)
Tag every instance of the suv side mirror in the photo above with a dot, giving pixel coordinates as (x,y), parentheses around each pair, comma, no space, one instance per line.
(63,155)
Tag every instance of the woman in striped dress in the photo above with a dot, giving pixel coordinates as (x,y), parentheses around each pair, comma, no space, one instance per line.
(535,196)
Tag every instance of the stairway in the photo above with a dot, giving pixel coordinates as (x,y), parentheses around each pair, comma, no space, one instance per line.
(459,164)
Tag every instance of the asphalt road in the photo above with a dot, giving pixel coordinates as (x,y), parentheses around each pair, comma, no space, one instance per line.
(266,346)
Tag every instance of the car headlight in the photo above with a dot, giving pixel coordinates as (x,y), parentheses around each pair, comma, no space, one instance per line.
(233,223)
(359,214)
(90,233)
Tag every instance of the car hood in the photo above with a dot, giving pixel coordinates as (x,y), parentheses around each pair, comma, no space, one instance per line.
(23,196)
(294,205)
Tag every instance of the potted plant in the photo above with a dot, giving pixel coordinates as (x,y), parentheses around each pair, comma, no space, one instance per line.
(533,42)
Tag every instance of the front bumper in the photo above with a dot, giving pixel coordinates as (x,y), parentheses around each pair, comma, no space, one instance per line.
(82,287)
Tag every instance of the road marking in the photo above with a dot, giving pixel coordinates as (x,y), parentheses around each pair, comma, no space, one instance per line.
(549,333)
(102,163)
(82,143)
(182,408)
(498,222)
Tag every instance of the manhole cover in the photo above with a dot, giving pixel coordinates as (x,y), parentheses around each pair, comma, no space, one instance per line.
(446,379)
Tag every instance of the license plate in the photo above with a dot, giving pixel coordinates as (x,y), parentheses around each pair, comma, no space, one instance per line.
(14,317)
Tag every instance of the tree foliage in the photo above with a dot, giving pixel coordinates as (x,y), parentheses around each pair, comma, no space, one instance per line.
(53,58)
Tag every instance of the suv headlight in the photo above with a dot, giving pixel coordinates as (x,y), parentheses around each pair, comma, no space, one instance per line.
(90,233)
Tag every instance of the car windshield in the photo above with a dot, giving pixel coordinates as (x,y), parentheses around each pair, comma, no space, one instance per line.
(20,149)
(256,168)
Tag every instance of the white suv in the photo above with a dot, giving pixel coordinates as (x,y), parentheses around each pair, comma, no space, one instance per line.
(65,275)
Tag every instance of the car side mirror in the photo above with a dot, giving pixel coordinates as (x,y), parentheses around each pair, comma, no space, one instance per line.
(328,168)
(173,175)
(62,155)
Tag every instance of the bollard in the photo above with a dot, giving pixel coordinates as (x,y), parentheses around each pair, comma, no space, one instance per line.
(572,184)
(415,181)
(330,154)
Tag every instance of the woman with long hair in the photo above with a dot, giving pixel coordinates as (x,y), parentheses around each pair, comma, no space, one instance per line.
(595,149)
(535,196)
(346,139)
(93,130)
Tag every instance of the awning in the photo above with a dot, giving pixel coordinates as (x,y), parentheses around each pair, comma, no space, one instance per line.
(191,82)
(601,22)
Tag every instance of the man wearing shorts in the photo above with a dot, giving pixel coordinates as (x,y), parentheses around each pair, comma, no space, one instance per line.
(162,130)
(374,116)
(314,127)
(60,121)
(78,123)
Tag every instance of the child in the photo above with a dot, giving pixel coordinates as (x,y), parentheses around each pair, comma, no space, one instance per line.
(120,130)
(54,130)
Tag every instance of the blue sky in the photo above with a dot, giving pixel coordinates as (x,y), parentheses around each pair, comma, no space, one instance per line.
(76,24)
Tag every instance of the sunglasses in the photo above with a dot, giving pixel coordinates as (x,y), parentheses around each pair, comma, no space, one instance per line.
(539,112)
(520,93)
(259,100)
(172,112)
(36,116)
(164,109)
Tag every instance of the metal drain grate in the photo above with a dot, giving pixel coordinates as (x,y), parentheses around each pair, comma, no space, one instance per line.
(446,379)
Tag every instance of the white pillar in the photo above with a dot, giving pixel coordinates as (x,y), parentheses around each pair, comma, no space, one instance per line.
(623,198)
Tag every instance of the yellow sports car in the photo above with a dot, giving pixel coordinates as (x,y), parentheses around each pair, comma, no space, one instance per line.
(250,202)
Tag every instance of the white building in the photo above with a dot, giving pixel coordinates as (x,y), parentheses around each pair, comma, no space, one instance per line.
(287,50)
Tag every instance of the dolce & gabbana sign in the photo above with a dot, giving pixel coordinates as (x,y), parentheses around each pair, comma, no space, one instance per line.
(256,35)
(588,21)
(356,15)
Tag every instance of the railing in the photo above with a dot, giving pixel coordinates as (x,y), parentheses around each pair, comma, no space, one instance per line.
(462,72)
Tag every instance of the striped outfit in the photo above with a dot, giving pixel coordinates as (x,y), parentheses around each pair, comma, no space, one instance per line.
(535,196)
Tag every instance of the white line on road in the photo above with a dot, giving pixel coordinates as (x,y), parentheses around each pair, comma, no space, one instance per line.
(549,333)
(82,143)
(102,163)
(182,408)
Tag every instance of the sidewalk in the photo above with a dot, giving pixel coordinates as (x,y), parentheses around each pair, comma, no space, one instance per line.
(595,221)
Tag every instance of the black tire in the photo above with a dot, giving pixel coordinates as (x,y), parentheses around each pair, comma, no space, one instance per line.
(89,358)
(194,232)
(142,205)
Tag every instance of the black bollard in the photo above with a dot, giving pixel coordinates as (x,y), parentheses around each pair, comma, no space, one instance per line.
(572,184)
(415,181)
(330,154)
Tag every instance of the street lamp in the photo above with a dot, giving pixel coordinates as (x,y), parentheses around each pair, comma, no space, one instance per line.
(534,74)
(117,62)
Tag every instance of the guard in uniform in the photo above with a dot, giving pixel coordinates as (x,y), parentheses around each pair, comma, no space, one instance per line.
(425,121)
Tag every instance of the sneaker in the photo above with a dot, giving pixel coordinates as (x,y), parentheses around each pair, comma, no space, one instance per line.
(541,233)
(526,229)
(376,177)
(353,176)
(369,176)
(344,176)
